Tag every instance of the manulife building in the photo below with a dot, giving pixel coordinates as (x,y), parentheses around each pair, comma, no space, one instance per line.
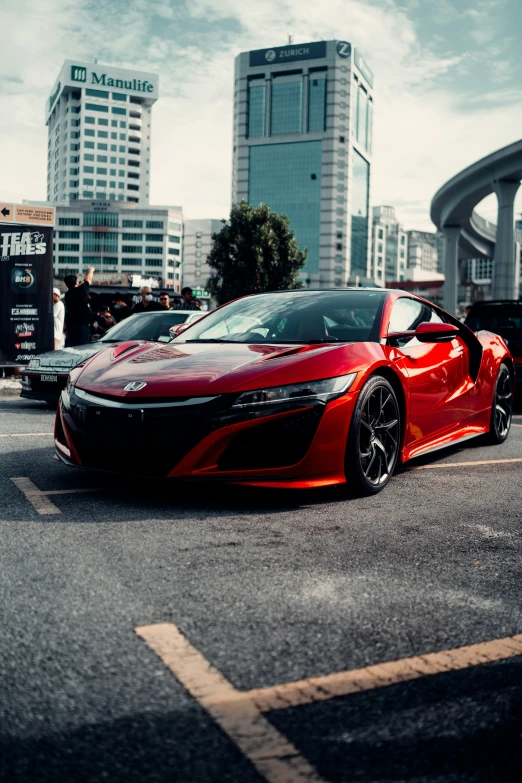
(302,145)
(99,122)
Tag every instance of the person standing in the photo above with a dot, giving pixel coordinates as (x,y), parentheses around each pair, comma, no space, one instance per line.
(164,299)
(59,318)
(147,304)
(121,309)
(79,315)
(187,302)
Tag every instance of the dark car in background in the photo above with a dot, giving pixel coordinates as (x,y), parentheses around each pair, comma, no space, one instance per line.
(46,375)
(503,317)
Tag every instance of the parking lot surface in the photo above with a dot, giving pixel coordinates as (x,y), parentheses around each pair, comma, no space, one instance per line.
(165,632)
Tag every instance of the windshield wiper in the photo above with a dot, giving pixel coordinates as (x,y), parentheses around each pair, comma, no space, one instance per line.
(214,340)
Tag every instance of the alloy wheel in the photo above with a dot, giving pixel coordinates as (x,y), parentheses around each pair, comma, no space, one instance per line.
(503,402)
(379,435)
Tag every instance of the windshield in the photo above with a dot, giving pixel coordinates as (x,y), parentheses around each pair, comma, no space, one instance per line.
(150,326)
(293,317)
(501,319)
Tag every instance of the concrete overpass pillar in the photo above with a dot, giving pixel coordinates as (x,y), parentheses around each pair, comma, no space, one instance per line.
(505,269)
(451,267)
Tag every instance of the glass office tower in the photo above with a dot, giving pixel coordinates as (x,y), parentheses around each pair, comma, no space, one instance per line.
(302,145)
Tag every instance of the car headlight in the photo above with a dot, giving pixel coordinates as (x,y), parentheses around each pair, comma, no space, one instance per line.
(33,364)
(324,391)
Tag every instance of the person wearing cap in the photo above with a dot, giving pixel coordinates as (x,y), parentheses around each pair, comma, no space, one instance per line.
(59,317)
(79,314)
(164,300)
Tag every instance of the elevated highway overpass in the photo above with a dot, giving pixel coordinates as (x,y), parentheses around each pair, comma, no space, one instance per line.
(468,235)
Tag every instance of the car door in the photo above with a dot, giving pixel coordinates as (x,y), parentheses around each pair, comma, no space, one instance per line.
(437,372)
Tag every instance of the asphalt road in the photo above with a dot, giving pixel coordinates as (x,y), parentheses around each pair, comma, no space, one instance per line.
(269,588)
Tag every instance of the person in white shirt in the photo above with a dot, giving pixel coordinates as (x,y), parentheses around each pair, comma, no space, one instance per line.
(59,315)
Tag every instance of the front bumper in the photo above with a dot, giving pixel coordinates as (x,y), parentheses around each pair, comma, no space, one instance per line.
(302,445)
(39,386)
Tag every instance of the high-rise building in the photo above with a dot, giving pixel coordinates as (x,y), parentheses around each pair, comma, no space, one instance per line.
(423,250)
(99,121)
(119,240)
(302,145)
(197,244)
(390,246)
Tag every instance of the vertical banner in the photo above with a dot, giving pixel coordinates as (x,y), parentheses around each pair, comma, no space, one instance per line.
(26,283)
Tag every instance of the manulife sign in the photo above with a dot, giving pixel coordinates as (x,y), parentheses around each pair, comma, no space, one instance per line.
(79,74)
(76,74)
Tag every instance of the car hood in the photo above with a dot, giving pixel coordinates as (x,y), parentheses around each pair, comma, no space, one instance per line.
(67,358)
(191,369)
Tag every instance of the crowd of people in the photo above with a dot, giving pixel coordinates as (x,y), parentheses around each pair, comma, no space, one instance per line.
(76,322)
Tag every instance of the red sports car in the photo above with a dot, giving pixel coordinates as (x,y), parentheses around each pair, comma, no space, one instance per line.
(291,388)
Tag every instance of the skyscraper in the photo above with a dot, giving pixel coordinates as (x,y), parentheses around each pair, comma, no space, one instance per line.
(302,145)
(99,121)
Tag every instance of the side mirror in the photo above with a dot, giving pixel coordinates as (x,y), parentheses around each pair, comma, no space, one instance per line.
(429,332)
(175,330)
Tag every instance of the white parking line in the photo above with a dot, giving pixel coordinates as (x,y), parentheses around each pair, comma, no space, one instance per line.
(26,434)
(466,464)
(38,498)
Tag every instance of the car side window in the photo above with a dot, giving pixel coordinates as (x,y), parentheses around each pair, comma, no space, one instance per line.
(406,315)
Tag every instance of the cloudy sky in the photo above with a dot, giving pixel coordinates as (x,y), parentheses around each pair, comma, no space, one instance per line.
(448,85)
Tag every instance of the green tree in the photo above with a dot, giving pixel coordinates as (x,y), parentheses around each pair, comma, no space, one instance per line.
(255,251)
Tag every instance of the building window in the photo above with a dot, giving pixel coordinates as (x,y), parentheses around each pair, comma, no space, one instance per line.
(109,219)
(133,187)
(131,261)
(198,254)
(359,219)
(88,169)
(317,105)
(287,107)
(103,121)
(97,107)
(89,120)
(154,237)
(173,251)
(132,223)
(69,234)
(101,158)
(174,226)
(97,93)
(118,96)
(131,249)
(87,144)
(101,183)
(154,224)
(88,132)
(102,146)
(132,237)
(154,250)
(100,241)
(256,109)
(101,170)
(118,110)
(68,221)
(67,246)
(88,181)
(153,262)
(173,238)
(103,135)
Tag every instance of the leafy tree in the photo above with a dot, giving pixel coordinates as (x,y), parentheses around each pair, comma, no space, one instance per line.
(255,251)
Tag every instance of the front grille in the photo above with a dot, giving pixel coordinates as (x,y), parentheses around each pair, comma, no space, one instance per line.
(275,444)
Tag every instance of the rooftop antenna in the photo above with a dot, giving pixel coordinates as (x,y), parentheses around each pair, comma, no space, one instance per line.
(290,39)
(96,61)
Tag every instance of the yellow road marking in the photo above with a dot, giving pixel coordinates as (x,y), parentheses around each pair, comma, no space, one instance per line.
(26,434)
(36,498)
(466,464)
(39,497)
(274,757)
(239,713)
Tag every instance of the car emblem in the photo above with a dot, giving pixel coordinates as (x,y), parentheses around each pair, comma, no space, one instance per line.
(135,386)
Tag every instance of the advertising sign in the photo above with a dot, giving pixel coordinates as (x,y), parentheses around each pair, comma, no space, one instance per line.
(26,281)
(363,66)
(286,54)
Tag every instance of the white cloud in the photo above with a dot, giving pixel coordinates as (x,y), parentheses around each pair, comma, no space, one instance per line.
(423,134)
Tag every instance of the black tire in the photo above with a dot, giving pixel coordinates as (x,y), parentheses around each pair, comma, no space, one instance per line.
(374,439)
(501,408)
